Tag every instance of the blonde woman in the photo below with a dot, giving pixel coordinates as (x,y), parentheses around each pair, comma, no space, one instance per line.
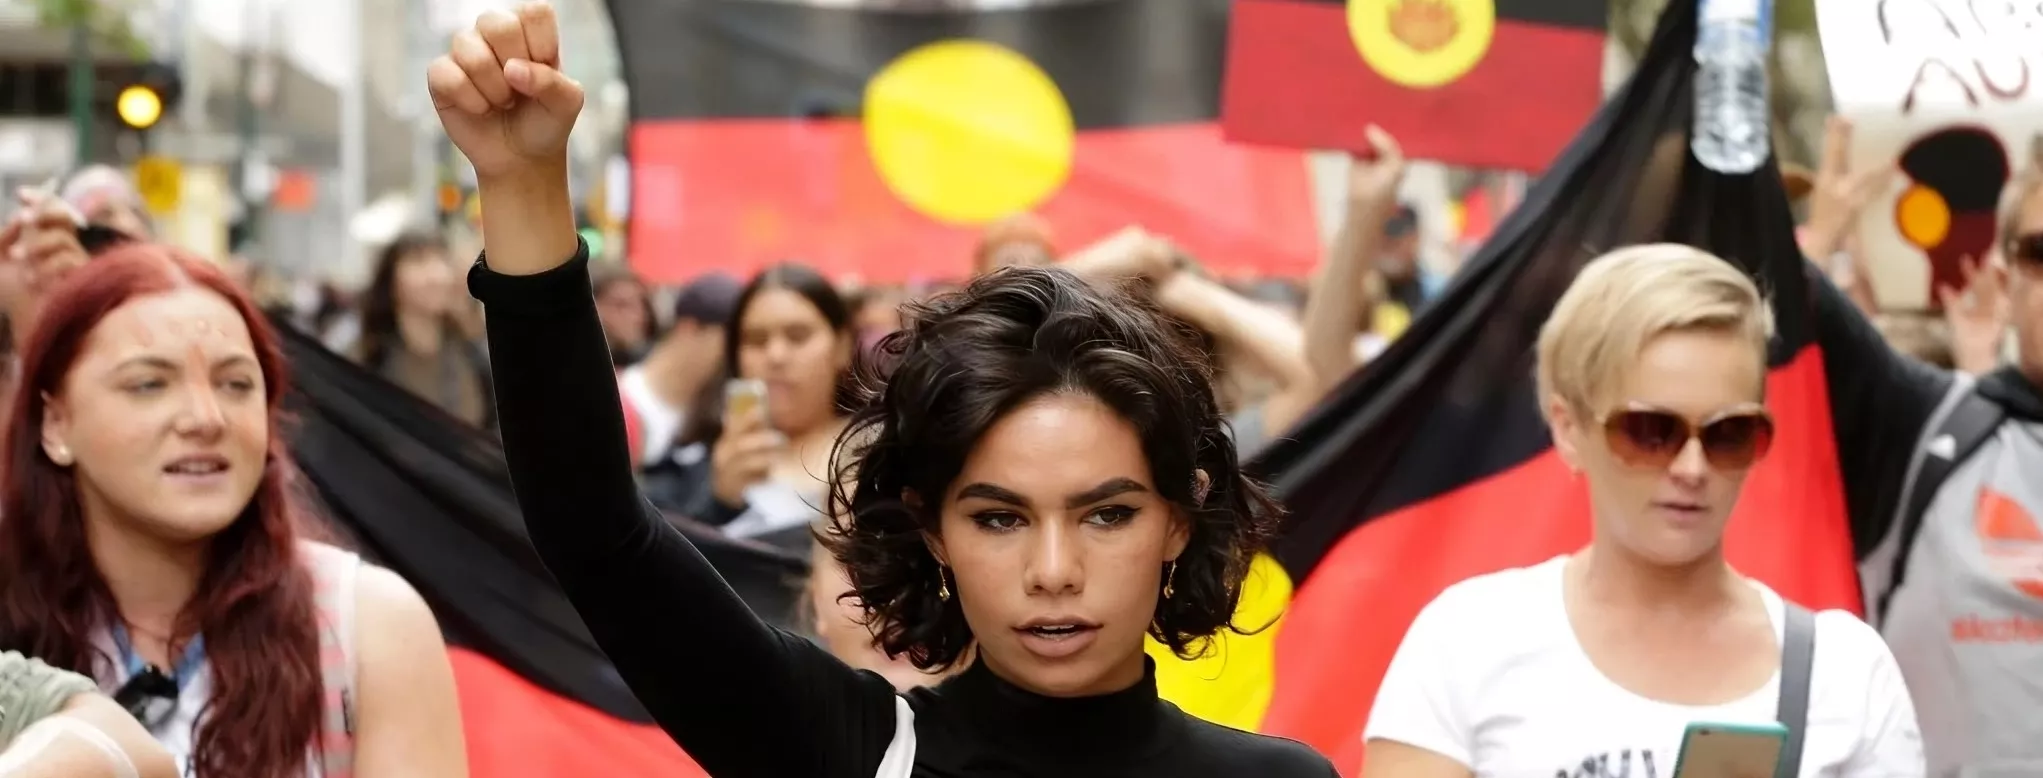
(1652,378)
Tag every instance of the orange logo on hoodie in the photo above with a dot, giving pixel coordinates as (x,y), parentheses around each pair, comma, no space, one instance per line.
(2012,540)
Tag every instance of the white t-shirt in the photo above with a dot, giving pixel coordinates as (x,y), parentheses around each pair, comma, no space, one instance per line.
(1491,675)
(662,422)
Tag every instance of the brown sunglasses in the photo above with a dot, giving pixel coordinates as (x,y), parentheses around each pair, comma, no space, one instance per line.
(1651,437)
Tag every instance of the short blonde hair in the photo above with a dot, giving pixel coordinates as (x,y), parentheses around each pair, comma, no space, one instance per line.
(1624,299)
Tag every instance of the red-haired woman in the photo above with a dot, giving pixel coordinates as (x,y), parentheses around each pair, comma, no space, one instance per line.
(151,540)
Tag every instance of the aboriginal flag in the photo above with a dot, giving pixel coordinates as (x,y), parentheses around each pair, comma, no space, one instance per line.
(876,137)
(1432,464)
(1484,83)
(419,492)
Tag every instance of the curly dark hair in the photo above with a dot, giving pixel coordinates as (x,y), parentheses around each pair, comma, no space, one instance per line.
(967,358)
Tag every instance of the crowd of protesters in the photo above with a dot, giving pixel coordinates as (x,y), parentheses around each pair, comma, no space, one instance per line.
(157,567)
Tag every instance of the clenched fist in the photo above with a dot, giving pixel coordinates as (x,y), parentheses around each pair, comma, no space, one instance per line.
(501,95)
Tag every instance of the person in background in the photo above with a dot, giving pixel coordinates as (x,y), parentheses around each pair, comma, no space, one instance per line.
(758,472)
(1919,336)
(770,463)
(42,240)
(55,724)
(876,313)
(105,196)
(154,539)
(1251,343)
(1345,323)
(1023,240)
(1408,284)
(840,625)
(686,359)
(1652,377)
(410,335)
(39,243)
(627,307)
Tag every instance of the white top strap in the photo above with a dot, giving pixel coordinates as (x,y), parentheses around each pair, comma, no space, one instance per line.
(899,761)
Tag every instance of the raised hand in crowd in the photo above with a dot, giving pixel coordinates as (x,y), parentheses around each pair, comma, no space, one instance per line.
(1836,198)
(1374,177)
(1978,315)
(1346,287)
(1131,253)
(38,245)
(505,103)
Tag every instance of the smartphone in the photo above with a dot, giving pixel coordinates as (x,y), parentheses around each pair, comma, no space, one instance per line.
(1731,751)
(743,396)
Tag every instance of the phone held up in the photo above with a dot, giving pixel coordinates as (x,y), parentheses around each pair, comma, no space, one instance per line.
(1711,750)
(744,396)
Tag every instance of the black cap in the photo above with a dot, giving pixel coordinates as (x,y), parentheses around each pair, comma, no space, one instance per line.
(712,298)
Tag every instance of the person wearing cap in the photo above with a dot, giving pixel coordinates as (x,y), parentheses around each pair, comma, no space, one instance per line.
(1407,281)
(659,389)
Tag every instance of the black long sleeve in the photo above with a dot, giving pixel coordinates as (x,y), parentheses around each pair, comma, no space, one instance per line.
(1880,402)
(740,697)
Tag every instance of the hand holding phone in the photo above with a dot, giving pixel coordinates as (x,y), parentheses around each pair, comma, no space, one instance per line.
(743,397)
(1715,750)
(744,454)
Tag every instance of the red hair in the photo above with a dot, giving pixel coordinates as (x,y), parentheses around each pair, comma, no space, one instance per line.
(254,602)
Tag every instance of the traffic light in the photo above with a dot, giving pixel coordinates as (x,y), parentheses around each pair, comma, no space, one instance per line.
(151,93)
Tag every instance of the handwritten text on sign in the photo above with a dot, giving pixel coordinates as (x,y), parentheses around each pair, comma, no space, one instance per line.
(1942,90)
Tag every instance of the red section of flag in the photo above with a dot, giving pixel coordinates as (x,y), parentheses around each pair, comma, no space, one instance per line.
(739,195)
(517,730)
(1345,622)
(1295,78)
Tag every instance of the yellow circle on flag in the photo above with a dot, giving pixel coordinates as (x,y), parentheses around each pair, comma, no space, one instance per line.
(967,132)
(1922,217)
(1422,44)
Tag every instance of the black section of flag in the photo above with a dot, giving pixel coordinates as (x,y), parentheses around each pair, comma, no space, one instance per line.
(1451,401)
(1118,62)
(1587,14)
(419,492)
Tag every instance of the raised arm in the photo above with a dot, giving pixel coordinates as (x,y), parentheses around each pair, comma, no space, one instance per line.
(1881,401)
(1337,311)
(742,698)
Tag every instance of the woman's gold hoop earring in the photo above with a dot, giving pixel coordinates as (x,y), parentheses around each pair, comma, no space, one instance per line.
(943,585)
(1170,575)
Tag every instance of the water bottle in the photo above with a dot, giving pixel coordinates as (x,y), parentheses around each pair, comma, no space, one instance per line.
(1732,133)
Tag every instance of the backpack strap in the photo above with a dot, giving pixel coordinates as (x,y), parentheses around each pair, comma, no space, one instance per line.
(1798,655)
(334,572)
(1968,424)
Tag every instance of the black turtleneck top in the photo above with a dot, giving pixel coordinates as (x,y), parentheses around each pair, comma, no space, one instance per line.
(745,699)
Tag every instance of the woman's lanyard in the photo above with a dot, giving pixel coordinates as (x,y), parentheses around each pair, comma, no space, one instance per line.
(149,694)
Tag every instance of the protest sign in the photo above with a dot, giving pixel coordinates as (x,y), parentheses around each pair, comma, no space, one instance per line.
(1947,91)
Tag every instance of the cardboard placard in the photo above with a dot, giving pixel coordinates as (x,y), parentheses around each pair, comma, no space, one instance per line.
(1951,93)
